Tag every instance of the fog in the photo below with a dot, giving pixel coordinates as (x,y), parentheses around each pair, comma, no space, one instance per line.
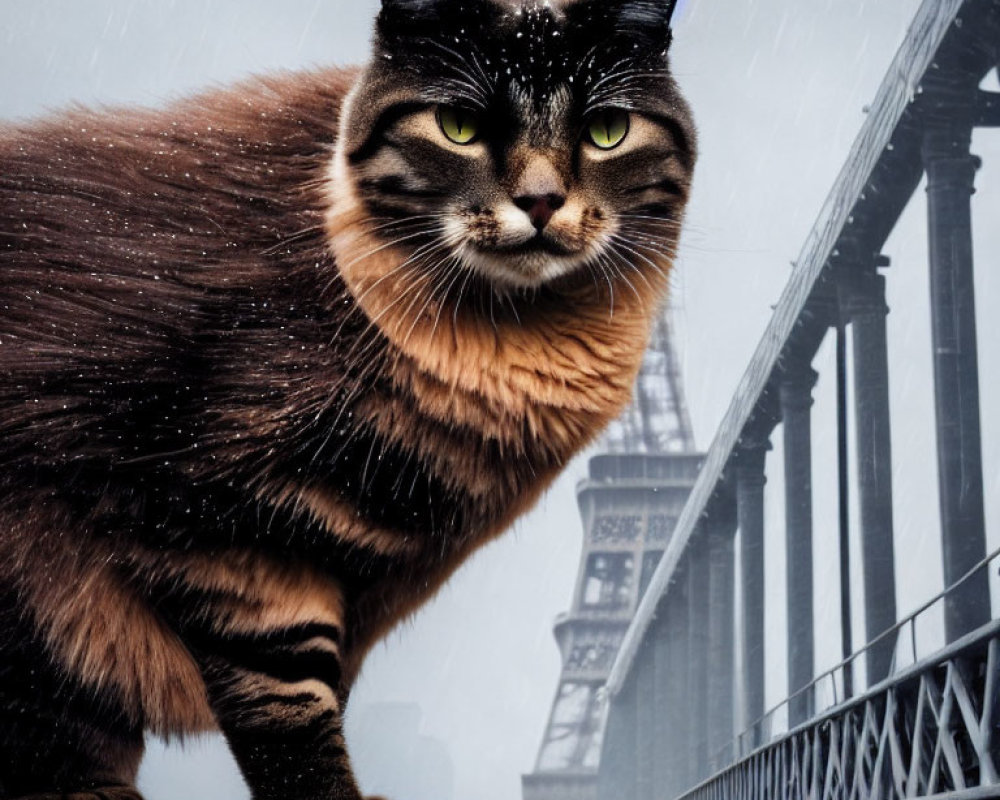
(778,88)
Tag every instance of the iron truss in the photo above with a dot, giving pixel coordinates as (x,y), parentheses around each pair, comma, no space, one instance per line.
(933,730)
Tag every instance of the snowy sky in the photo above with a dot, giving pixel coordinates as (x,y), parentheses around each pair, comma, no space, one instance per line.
(778,88)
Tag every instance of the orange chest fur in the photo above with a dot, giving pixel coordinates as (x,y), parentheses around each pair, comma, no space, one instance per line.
(555,372)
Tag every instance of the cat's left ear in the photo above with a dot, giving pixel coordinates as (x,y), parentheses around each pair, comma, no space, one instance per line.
(643,21)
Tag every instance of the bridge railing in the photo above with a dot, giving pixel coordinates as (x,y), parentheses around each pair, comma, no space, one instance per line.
(827,690)
(689,681)
(931,731)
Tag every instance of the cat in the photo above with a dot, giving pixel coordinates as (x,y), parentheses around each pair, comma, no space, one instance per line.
(276,359)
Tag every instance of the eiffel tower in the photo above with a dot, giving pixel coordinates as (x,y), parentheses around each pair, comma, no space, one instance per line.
(629,502)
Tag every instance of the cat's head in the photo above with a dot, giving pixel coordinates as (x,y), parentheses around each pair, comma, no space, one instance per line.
(517,144)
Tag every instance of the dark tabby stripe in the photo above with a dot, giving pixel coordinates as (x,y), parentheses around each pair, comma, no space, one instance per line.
(666,185)
(391,486)
(288,656)
(400,186)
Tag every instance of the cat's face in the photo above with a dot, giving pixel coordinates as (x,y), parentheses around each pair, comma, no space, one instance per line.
(522,142)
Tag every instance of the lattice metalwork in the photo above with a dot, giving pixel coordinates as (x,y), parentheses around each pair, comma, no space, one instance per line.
(935,730)
(609,583)
(657,421)
(575,729)
(619,529)
(660,526)
(593,652)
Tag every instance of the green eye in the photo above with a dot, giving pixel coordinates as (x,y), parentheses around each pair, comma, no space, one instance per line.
(459,125)
(608,129)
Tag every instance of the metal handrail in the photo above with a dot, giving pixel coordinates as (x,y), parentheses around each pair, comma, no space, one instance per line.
(831,673)
(971,640)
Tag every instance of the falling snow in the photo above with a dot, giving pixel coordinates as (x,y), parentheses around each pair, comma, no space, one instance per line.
(778,89)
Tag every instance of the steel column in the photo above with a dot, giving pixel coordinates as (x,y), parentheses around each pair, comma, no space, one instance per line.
(750,482)
(843,510)
(797,384)
(647,748)
(719,528)
(666,725)
(699,617)
(616,779)
(863,298)
(951,171)
(678,702)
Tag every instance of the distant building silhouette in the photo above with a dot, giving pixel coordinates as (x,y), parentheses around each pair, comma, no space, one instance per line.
(392,758)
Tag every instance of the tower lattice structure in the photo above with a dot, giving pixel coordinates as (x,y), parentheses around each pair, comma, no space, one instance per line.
(630,502)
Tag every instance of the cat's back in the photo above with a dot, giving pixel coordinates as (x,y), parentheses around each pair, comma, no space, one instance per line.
(123,191)
(124,235)
(122,221)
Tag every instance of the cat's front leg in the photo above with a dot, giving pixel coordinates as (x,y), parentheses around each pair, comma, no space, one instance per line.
(282,719)
(268,639)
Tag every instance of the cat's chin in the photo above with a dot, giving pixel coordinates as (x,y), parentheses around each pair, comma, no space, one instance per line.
(522,267)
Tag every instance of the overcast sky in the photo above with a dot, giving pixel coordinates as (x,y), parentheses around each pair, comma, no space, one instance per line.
(778,88)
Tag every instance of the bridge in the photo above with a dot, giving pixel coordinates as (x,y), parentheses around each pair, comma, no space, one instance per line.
(671,702)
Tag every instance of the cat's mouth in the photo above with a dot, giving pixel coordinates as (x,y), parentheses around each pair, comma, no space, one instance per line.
(506,249)
(525,264)
(539,244)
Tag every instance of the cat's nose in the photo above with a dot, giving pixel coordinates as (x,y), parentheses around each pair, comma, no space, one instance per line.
(540,207)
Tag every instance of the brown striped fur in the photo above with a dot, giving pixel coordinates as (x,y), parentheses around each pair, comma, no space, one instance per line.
(239,440)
